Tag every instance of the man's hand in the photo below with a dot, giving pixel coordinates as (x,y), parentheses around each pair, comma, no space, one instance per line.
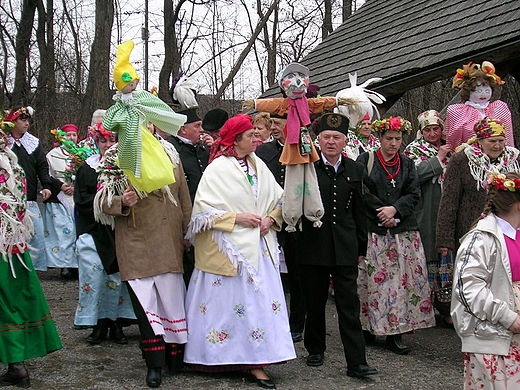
(129,198)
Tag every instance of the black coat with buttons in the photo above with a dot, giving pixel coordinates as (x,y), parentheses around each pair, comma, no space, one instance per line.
(194,161)
(270,153)
(380,192)
(343,236)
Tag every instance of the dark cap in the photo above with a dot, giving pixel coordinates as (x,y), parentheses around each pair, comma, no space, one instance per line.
(336,122)
(275,115)
(214,119)
(192,114)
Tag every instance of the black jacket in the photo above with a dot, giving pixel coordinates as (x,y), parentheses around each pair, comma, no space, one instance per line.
(343,236)
(194,161)
(404,196)
(270,154)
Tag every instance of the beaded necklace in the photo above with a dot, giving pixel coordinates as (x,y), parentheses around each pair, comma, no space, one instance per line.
(245,166)
(391,163)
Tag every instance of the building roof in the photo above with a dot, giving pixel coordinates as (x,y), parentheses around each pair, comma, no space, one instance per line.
(410,43)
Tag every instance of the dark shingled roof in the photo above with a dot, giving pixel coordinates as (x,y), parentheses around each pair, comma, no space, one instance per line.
(410,43)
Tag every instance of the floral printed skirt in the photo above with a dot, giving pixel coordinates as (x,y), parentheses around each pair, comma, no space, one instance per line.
(230,322)
(100,295)
(493,372)
(59,236)
(393,285)
(37,243)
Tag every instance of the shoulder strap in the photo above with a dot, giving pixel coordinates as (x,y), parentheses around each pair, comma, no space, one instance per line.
(370,163)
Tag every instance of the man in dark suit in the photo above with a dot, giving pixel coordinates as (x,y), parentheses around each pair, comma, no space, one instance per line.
(270,152)
(193,146)
(335,249)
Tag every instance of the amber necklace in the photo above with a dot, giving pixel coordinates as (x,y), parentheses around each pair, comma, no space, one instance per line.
(391,163)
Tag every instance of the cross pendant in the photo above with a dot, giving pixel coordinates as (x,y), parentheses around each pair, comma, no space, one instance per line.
(393,182)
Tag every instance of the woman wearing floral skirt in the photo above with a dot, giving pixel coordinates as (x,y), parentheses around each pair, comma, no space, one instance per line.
(235,306)
(393,282)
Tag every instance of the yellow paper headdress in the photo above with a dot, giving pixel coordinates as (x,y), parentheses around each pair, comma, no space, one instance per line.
(124,71)
(471,70)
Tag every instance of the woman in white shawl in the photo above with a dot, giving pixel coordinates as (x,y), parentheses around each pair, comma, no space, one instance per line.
(235,305)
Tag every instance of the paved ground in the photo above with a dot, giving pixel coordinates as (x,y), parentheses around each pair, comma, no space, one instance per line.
(434,363)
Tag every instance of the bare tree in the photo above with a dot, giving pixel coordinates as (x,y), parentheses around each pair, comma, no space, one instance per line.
(245,52)
(346,9)
(326,28)
(172,55)
(98,93)
(20,95)
(45,101)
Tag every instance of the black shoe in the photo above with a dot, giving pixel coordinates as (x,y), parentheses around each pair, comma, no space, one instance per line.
(395,344)
(116,333)
(360,371)
(369,337)
(99,333)
(264,383)
(315,360)
(153,377)
(296,337)
(16,375)
(66,274)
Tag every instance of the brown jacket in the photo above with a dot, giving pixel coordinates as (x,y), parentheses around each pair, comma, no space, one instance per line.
(150,235)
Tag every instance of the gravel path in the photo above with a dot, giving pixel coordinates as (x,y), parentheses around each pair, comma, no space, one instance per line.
(434,363)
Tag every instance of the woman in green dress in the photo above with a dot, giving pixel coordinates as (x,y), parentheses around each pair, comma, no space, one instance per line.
(26,327)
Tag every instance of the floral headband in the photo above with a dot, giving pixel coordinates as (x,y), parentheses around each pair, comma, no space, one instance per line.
(394,123)
(471,70)
(500,182)
(489,127)
(11,116)
(98,131)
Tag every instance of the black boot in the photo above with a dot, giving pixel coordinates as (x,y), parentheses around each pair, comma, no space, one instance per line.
(116,332)
(395,344)
(153,377)
(99,333)
(16,375)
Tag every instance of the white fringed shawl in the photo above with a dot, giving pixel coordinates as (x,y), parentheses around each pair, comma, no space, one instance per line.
(480,165)
(224,188)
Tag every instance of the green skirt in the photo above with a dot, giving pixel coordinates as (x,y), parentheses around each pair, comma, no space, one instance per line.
(26,326)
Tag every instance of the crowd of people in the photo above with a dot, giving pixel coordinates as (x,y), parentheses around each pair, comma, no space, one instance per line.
(189,239)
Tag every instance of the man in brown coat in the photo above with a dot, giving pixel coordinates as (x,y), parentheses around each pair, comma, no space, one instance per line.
(149,233)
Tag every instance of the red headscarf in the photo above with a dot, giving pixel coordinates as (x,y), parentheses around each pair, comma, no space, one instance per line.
(225,145)
(69,128)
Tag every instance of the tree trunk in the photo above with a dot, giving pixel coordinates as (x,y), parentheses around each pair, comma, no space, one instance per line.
(98,93)
(45,101)
(346,9)
(21,92)
(326,28)
(78,73)
(172,58)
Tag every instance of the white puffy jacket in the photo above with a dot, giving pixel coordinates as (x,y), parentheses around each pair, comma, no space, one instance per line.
(482,305)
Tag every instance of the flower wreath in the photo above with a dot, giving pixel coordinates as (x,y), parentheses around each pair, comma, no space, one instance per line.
(500,182)
(394,123)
